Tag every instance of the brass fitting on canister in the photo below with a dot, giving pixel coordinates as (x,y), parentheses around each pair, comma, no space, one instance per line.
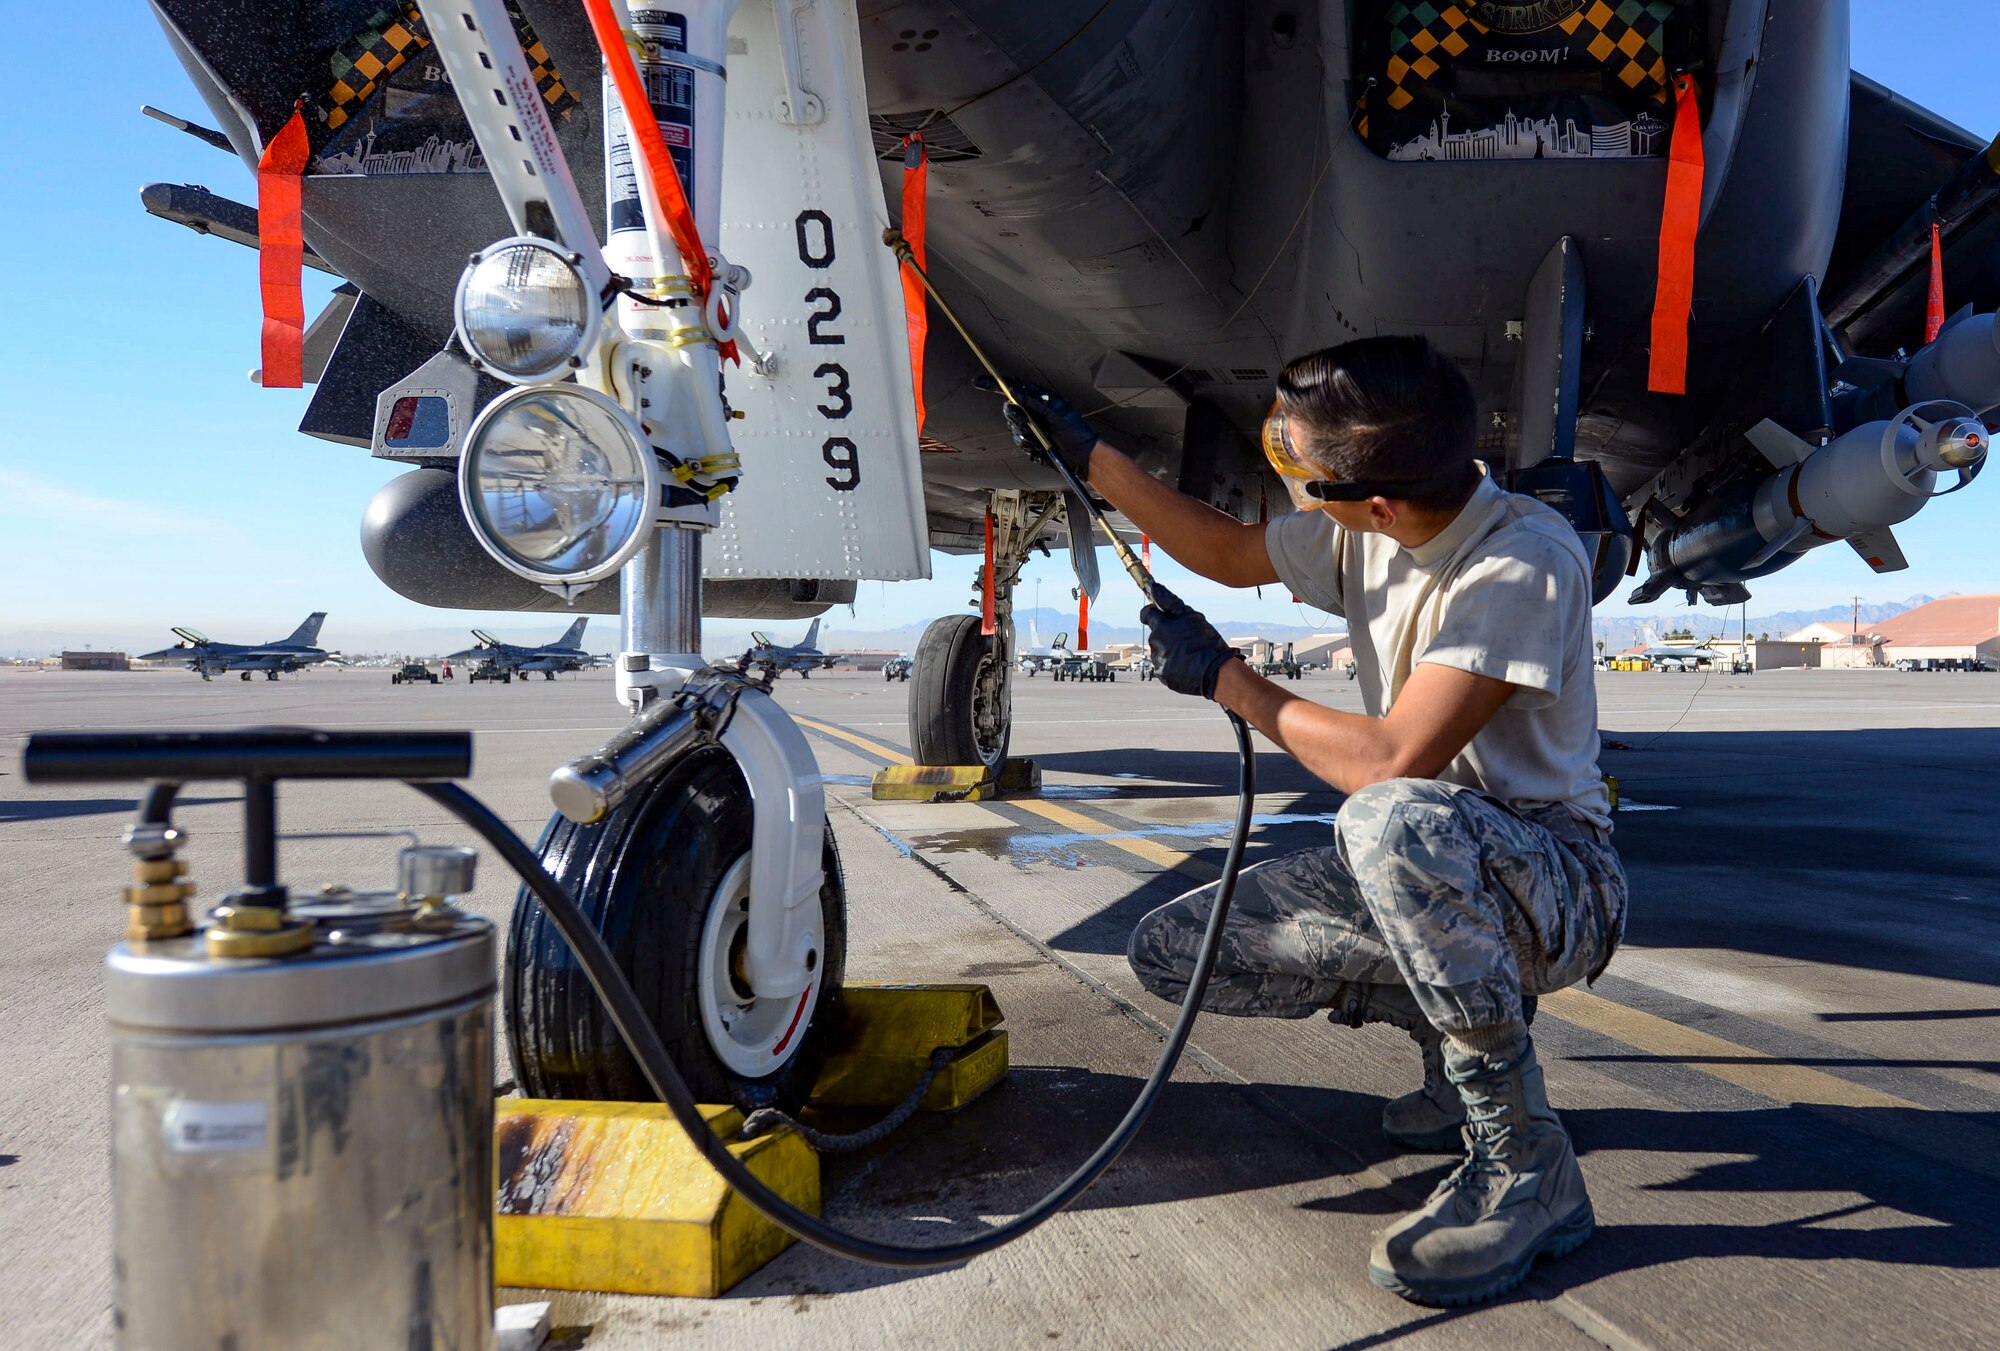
(245,929)
(156,902)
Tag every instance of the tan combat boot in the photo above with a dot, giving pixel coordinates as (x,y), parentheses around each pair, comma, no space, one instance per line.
(1518,1196)
(1428,1119)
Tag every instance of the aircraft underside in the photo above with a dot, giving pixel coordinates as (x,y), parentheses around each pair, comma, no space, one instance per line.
(1181,195)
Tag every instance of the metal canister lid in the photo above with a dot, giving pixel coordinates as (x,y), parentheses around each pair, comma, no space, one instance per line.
(175,986)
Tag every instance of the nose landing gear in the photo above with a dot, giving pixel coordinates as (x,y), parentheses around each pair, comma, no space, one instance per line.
(665,878)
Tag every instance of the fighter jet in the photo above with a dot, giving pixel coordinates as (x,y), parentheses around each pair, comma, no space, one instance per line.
(1066,663)
(202,653)
(776,658)
(503,661)
(1683,251)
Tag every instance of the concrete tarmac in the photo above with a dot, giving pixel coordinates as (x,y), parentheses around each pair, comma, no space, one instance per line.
(1785,1092)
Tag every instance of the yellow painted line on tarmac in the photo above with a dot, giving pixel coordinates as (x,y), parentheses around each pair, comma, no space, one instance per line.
(869,744)
(1139,846)
(1740,1065)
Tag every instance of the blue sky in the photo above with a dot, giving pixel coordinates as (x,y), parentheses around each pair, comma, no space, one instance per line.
(146,482)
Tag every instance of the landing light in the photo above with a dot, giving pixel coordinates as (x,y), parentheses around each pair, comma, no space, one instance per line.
(558,483)
(524,312)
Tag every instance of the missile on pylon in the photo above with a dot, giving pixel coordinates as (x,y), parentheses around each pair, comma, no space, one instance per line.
(1961,366)
(1852,489)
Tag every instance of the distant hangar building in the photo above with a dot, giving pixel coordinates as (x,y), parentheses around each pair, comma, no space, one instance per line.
(1957,628)
(1839,647)
(95,661)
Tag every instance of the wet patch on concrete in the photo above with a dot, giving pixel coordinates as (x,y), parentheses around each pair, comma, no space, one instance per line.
(898,845)
(1064,849)
(1077,792)
(996,843)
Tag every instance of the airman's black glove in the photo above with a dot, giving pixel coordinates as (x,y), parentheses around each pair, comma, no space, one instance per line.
(1187,651)
(1072,437)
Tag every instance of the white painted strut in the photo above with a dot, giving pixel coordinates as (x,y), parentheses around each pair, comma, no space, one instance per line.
(490,74)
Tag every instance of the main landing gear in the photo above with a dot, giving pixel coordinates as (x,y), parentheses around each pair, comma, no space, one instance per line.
(665,879)
(961,708)
(961,681)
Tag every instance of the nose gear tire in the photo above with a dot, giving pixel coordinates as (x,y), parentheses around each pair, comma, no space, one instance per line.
(650,878)
(961,710)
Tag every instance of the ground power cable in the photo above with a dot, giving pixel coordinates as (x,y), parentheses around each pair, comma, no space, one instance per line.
(1657,737)
(636,1029)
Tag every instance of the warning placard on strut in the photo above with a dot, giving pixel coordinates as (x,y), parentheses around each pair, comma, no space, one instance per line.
(831,483)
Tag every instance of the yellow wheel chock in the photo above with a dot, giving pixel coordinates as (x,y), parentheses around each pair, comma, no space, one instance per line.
(614,1197)
(954,783)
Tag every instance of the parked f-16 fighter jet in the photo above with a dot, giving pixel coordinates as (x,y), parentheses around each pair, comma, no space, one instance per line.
(1682,251)
(498,660)
(776,658)
(202,653)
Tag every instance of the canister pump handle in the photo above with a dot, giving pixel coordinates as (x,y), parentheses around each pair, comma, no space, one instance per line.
(257,753)
(257,758)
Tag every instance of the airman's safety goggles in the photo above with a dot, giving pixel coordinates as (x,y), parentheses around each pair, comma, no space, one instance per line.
(1306,481)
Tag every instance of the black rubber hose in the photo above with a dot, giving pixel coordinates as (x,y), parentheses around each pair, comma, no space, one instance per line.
(644,1040)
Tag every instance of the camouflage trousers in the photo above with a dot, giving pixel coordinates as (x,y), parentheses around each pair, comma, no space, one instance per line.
(1441,888)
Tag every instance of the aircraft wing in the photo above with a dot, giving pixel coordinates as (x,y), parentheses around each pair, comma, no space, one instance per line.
(1898,155)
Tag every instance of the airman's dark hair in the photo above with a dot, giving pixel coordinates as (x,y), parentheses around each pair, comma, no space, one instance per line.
(1391,408)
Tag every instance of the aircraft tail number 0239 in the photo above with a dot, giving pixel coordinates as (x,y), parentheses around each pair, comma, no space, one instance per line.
(831,483)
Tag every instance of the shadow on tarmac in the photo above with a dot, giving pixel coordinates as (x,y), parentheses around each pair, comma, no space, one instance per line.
(1872,849)
(1913,1211)
(1193,770)
(55,809)
(935,1180)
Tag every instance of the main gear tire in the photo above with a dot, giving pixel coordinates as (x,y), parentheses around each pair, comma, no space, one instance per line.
(961,700)
(665,879)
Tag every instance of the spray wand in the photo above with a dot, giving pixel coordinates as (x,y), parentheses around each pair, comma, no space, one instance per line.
(1134,568)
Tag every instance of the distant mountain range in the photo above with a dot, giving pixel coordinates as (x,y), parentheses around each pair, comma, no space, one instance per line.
(1618,631)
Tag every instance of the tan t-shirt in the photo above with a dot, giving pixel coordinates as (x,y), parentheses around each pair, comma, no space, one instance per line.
(1503,591)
